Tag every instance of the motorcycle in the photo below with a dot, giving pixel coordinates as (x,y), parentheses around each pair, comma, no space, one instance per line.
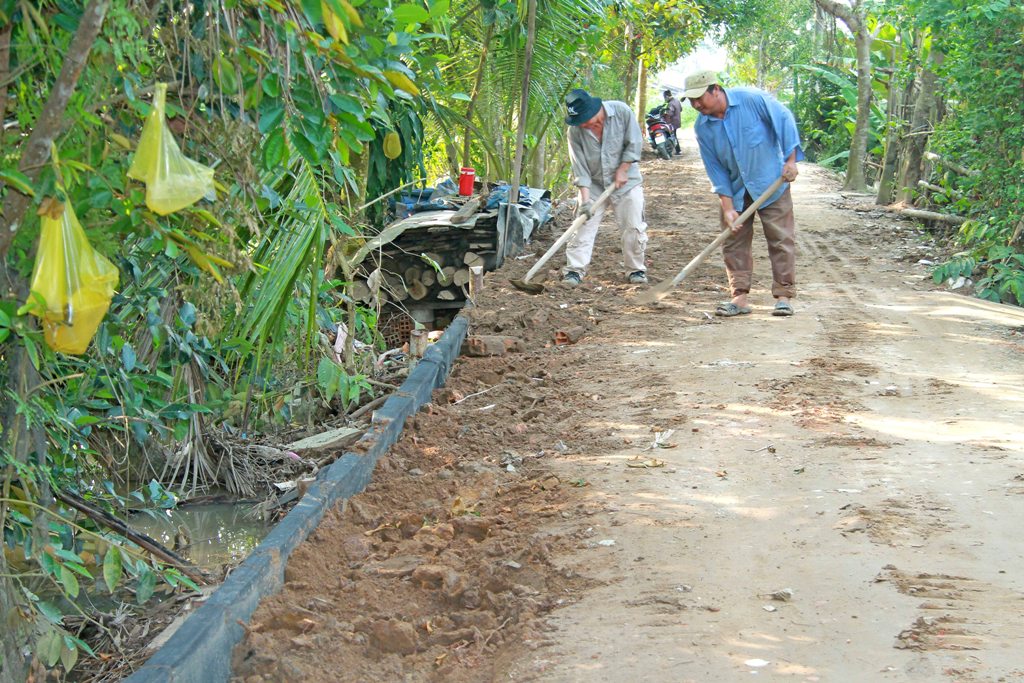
(660,132)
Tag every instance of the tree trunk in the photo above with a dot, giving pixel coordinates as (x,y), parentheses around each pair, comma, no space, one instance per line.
(796,90)
(524,100)
(538,161)
(5,70)
(480,67)
(824,33)
(36,149)
(920,125)
(34,153)
(12,664)
(18,439)
(904,104)
(641,94)
(632,50)
(855,179)
(762,66)
(854,18)
(887,175)
(361,166)
(453,157)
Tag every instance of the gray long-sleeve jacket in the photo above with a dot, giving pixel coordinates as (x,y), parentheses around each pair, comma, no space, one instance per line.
(673,112)
(594,162)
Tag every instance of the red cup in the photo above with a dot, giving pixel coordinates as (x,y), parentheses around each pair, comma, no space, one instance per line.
(466,178)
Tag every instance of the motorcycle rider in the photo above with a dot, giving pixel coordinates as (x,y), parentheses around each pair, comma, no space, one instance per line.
(673,110)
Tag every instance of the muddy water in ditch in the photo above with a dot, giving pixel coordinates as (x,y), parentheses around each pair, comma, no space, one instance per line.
(211,536)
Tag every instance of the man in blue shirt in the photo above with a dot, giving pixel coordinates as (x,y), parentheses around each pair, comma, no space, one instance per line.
(747,140)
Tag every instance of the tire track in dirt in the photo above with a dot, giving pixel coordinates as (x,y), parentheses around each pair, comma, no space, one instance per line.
(957,613)
(850,364)
(972,615)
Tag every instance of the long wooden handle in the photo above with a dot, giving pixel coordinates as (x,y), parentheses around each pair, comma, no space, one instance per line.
(569,232)
(662,288)
(747,213)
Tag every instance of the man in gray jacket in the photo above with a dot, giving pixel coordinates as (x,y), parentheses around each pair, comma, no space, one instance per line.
(604,148)
(673,115)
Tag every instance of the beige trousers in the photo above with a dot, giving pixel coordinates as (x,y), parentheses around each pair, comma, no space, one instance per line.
(629,214)
(780,232)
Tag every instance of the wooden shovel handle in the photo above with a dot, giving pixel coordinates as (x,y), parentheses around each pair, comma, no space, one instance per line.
(662,288)
(747,213)
(569,232)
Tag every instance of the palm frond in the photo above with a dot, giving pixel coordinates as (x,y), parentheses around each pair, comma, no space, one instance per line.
(288,256)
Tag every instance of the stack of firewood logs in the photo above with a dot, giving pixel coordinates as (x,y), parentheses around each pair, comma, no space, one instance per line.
(429,263)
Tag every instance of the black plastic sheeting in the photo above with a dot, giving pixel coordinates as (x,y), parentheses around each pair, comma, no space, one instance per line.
(200,651)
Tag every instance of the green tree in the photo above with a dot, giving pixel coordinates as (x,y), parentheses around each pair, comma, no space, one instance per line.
(855,17)
(983,134)
(297,106)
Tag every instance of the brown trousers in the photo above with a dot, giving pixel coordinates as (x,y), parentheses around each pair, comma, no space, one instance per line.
(780,232)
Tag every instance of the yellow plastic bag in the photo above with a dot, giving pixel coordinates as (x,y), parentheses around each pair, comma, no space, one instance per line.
(173,181)
(75,281)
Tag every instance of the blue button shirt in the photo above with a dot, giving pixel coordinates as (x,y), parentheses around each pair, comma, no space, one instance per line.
(745,151)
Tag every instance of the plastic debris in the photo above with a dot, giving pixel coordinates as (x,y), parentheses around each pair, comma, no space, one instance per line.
(72,283)
(661,440)
(173,181)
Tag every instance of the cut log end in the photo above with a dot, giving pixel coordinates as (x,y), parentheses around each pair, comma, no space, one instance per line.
(417,291)
(360,292)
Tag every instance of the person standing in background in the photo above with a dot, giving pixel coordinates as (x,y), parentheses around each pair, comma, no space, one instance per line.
(673,112)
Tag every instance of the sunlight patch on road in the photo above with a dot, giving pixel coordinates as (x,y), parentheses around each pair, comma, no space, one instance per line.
(1000,387)
(1007,435)
(793,669)
(996,390)
(973,340)
(956,308)
(629,430)
(772,642)
(650,344)
(736,506)
(761,513)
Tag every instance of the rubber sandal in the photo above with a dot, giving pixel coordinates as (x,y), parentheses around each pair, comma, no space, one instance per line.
(782,308)
(729,309)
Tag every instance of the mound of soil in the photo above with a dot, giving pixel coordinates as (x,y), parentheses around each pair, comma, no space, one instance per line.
(441,569)
(442,561)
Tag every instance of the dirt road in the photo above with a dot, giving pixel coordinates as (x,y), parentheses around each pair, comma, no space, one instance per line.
(677,497)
